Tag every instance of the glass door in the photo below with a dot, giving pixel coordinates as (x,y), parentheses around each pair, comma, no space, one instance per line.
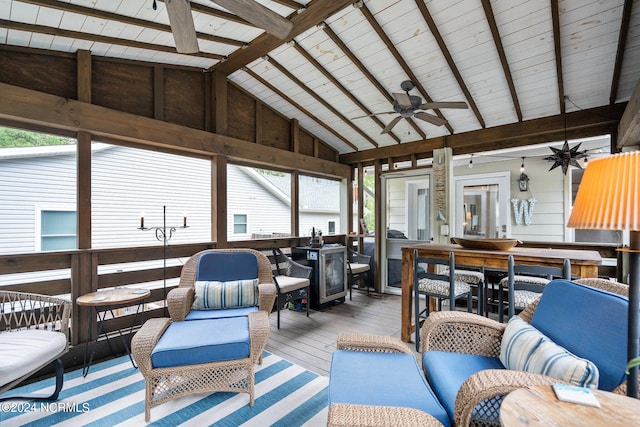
(406,217)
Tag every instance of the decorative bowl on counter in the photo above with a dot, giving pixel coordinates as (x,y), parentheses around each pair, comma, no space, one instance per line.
(488,244)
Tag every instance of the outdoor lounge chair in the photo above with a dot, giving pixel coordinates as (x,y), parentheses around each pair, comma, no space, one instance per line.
(582,326)
(34,332)
(206,347)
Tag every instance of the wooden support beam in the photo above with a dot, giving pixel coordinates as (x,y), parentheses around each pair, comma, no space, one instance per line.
(83,184)
(629,127)
(219,200)
(579,124)
(315,12)
(20,105)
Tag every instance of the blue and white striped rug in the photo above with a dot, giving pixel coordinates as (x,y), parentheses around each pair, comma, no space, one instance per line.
(113,395)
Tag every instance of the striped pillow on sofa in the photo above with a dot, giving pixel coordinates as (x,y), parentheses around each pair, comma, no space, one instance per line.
(524,348)
(211,295)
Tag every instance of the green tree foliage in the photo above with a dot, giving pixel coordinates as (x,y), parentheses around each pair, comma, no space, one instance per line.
(21,138)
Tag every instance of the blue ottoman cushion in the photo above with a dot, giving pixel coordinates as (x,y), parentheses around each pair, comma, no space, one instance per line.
(382,379)
(202,341)
(447,371)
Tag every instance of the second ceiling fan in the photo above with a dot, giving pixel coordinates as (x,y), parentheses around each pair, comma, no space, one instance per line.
(184,32)
(411,106)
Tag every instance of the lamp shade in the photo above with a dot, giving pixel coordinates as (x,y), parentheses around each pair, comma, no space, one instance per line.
(609,194)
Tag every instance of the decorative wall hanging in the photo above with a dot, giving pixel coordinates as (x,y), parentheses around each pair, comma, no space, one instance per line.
(565,156)
(523,208)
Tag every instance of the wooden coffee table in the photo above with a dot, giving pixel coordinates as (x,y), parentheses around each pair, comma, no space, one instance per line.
(538,406)
(104,302)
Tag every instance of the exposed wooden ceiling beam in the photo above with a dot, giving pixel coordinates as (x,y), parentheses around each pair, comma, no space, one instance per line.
(41,29)
(555,17)
(622,42)
(316,12)
(452,65)
(103,14)
(342,89)
(579,124)
(289,3)
(299,107)
(32,107)
(488,11)
(321,100)
(356,61)
(396,54)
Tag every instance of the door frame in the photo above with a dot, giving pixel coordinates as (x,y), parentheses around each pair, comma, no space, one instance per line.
(502,179)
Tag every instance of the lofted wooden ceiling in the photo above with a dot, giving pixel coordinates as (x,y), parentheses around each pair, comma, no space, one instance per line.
(511,61)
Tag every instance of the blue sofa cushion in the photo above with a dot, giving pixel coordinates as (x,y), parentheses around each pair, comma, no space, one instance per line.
(225,266)
(524,348)
(382,379)
(219,314)
(588,322)
(212,295)
(447,371)
(202,341)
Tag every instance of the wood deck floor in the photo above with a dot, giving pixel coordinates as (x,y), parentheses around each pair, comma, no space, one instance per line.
(309,342)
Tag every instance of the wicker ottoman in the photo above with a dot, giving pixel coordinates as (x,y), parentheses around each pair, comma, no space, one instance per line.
(376,381)
(192,371)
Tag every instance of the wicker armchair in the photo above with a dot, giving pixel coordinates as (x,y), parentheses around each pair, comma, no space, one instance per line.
(34,332)
(292,280)
(180,299)
(174,380)
(478,399)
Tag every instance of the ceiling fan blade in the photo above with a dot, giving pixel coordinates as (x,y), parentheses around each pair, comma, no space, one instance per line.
(437,105)
(259,15)
(403,99)
(374,114)
(181,20)
(434,120)
(391,124)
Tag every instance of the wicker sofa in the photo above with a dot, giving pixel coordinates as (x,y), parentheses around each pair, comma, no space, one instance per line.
(462,351)
(205,349)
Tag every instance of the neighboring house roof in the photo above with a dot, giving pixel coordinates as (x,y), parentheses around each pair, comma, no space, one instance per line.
(46,151)
(322,199)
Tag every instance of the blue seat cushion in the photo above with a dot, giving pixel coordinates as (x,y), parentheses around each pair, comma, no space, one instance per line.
(588,322)
(226,266)
(219,314)
(202,341)
(447,371)
(382,379)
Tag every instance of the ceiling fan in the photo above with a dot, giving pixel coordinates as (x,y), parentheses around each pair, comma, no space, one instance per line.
(184,32)
(409,106)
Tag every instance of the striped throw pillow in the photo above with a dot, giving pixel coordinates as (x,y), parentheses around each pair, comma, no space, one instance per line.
(211,295)
(524,348)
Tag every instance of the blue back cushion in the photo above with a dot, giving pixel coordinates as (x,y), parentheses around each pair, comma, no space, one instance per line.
(226,266)
(588,322)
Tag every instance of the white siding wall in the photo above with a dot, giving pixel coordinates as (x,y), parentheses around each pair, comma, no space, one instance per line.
(547,187)
(127,181)
(265,213)
(27,184)
(397,204)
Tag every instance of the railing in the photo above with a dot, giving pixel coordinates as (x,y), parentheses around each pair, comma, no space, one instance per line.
(75,273)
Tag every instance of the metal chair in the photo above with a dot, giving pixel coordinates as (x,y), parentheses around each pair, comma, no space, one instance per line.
(292,280)
(358,268)
(438,285)
(525,283)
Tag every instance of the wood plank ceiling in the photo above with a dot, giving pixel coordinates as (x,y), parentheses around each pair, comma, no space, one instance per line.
(509,60)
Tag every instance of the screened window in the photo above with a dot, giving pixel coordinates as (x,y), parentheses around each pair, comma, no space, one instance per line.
(319,204)
(57,230)
(239,224)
